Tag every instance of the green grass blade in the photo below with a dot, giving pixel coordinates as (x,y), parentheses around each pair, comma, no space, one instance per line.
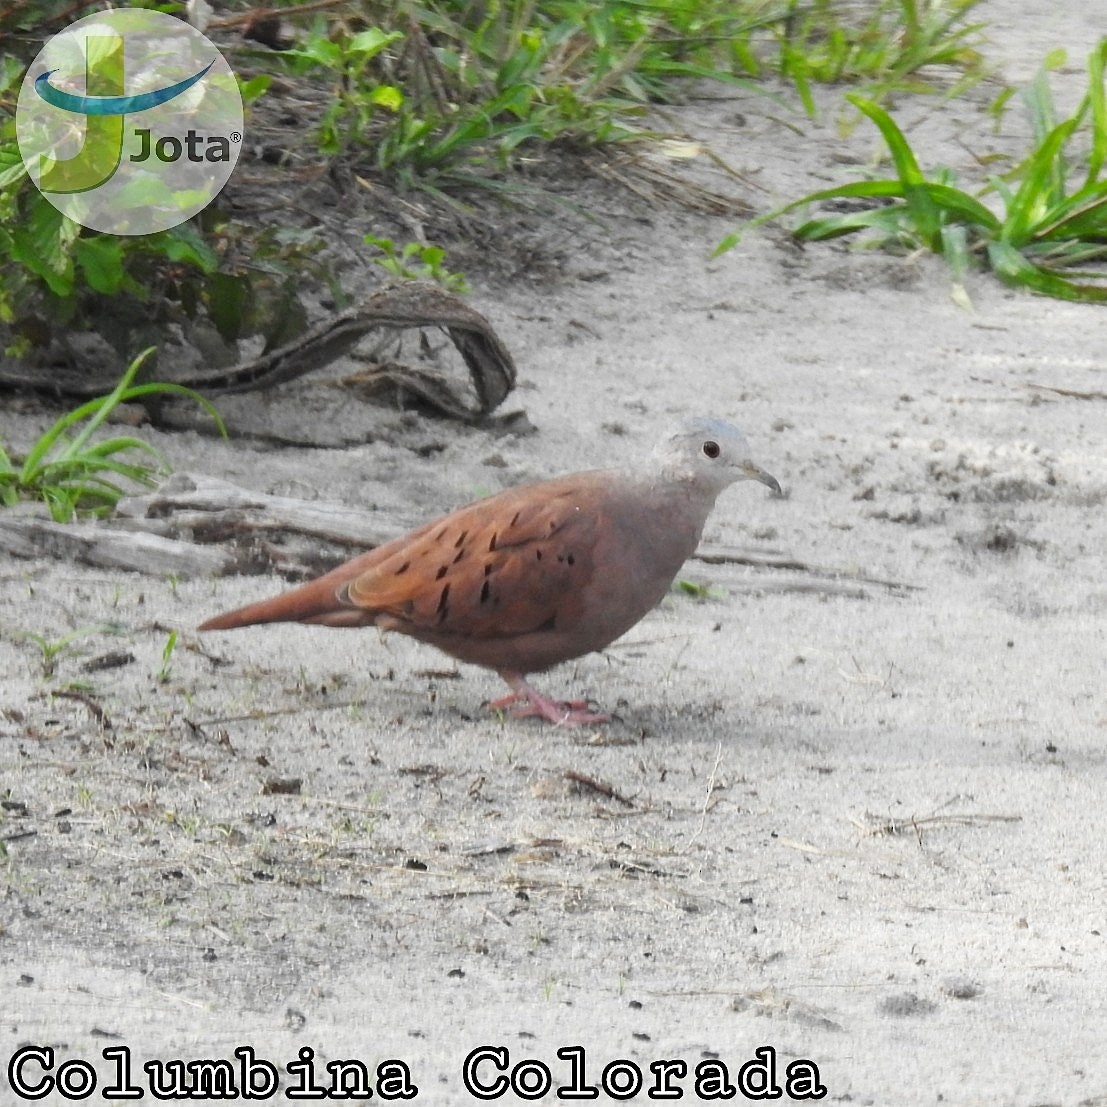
(925,216)
(61,502)
(165,388)
(1082,216)
(117,445)
(1069,255)
(902,156)
(97,410)
(858,189)
(1017,270)
(71,474)
(862,190)
(890,220)
(84,474)
(42,446)
(966,209)
(955,249)
(1042,187)
(9,481)
(792,65)
(95,487)
(1039,101)
(955,205)
(1097,102)
(911,22)
(107,404)
(999,187)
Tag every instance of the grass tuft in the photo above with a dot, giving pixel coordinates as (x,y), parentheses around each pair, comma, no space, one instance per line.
(892,48)
(1052,221)
(72,474)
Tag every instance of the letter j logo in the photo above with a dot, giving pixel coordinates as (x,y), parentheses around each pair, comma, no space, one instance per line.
(129,121)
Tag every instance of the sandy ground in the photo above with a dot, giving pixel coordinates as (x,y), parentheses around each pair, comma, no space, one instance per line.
(856,812)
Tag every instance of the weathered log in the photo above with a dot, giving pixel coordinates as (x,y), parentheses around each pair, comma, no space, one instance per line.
(110,547)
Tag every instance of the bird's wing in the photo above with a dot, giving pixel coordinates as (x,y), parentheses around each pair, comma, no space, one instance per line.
(508,565)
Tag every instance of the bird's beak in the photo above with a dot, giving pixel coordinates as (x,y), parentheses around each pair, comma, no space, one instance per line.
(755,472)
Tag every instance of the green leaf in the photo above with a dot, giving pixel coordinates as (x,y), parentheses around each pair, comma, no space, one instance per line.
(371,42)
(42,243)
(1098,107)
(99,410)
(1039,101)
(1015,269)
(165,388)
(387,96)
(228,301)
(925,216)
(1043,185)
(727,242)
(255,87)
(1055,58)
(965,208)
(955,250)
(184,243)
(12,166)
(316,51)
(892,221)
(124,442)
(100,259)
(1082,216)
(11,69)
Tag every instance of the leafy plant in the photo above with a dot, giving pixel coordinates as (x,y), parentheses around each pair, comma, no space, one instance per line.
(52,648)
(416,262)
(1048,228)
(444,93)
(897,39)
(166,670)
(357,96)
(697,591)
(25,15)
(465,105)
(70,473)
(55,273)
(49,263)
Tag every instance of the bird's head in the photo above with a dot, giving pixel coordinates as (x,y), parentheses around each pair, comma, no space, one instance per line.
(710,453)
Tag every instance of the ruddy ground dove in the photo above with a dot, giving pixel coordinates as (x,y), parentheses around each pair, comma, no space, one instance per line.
(537,574)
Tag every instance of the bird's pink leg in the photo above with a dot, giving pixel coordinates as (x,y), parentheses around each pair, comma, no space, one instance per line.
(524,702)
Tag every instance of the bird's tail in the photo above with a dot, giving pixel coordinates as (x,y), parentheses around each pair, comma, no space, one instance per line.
(315,602)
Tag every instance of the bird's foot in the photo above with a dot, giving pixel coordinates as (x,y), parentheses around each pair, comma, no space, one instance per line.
(524,702)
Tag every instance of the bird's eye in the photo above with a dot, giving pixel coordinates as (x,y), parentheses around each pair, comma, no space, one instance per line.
(711,450)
